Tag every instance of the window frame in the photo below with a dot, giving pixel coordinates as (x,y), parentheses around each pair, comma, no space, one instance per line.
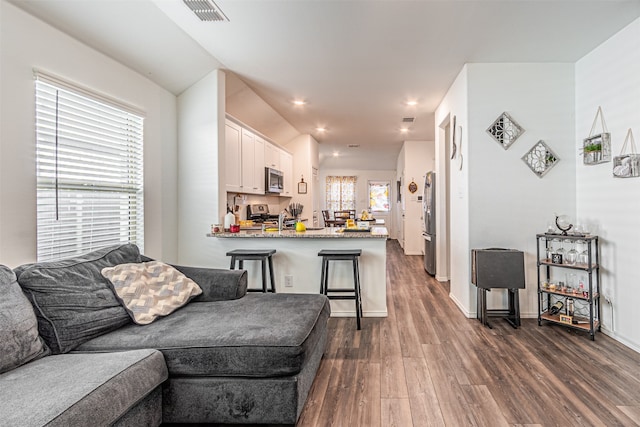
(89,170)
(381,183)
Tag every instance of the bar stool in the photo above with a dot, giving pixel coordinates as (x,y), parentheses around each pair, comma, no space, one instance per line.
(342,255)
(263,255)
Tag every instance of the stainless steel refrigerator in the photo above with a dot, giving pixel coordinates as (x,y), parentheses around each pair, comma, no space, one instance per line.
(429,228)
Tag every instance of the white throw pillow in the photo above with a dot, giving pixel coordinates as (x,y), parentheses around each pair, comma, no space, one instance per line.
(149,290)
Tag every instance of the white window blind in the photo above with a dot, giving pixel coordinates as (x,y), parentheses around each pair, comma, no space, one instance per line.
(89,172)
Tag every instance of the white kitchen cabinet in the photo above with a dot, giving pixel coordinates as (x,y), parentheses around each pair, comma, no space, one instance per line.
(233,155)
(252,160)
(286,164)
(259,164)
(244,160)
(272,156)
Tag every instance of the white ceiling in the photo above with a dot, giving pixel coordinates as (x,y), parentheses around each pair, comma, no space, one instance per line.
(355,62)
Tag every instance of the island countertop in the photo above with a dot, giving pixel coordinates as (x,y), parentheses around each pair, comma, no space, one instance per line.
(323,233)
(298,267)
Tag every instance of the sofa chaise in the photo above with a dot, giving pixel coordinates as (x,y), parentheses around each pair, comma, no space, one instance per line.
(225,357)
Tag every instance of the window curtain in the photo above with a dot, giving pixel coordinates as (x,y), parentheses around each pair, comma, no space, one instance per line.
(341,193)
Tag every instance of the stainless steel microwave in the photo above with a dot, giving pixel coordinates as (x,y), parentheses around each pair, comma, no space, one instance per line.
(274,181)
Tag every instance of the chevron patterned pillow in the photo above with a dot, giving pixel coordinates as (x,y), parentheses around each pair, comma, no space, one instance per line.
(149,290)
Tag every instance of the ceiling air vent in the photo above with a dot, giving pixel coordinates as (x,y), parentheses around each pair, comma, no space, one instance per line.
(206,10)
(353,145)
(408,119)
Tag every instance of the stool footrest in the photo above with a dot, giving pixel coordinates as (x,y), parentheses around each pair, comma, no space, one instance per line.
(352,255)
(265,258)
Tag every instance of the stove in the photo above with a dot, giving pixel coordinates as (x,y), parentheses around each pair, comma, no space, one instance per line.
(259,213)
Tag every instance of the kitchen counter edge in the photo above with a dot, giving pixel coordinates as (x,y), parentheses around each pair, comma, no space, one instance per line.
(330,233)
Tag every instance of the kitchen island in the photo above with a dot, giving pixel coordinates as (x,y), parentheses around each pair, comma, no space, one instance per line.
(296,262)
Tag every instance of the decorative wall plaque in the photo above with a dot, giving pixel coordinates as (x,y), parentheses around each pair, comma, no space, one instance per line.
(540,158)
(505,130)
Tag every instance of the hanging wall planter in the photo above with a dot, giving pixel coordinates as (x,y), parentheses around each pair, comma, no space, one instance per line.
(627,164)
(596,148)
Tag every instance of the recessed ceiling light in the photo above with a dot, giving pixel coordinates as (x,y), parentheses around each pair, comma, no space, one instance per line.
(336,154)
(404,130)
(321,129)
(299,102)
(412,103)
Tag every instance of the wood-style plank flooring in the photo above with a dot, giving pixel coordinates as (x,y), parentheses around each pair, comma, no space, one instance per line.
(428,365)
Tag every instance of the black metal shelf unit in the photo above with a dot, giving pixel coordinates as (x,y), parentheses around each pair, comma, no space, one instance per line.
(586,293)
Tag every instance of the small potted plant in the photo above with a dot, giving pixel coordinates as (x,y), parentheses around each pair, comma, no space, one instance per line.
(592,153)
(597,149)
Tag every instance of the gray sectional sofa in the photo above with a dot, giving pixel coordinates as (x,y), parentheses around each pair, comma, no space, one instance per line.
(70,354)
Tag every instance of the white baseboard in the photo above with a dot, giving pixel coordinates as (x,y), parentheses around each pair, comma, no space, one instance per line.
(468,314)
(621,340)
(441,278)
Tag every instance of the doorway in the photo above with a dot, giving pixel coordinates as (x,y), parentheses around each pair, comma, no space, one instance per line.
(443,200)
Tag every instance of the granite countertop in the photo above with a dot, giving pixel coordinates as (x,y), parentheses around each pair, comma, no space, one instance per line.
(323,233)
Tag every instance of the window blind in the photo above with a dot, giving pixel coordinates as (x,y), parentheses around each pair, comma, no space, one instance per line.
(89,173)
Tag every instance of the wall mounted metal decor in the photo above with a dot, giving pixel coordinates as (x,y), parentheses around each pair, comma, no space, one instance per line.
(453,140)
(302,186)
(505,130)
(540,158)
(460,148)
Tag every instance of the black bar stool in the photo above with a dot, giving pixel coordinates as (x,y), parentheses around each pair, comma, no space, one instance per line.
(263,255)
(342,255)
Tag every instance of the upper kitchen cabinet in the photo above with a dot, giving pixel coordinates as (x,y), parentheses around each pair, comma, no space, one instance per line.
(233,156)
(252,163)
(286,165)
(272,156)
(244,154)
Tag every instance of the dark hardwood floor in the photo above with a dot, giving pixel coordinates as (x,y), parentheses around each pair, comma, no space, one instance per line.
(426,364)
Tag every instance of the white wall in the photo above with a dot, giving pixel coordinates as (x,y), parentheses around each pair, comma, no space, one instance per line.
(609,77)
(419,158)
(201,184)
(28,43)
(305,157)
(245,105)
(398,209)
(455,103)
(362,191)
(507,203)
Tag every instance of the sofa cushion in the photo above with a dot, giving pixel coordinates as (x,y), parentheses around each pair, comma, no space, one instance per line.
(79,389)
(19,339)
(71,298)
(260,335)
(149,290)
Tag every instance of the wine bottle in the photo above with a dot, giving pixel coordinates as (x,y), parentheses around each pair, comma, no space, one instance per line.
(555,308)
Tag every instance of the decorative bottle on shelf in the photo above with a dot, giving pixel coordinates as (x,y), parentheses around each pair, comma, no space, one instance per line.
(229,219)
(555,308)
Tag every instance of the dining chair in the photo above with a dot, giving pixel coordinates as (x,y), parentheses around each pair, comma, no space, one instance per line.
(326,216)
